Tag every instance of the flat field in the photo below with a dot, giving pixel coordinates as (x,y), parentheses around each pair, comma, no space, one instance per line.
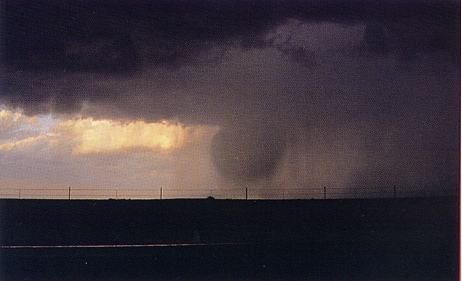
(207,239)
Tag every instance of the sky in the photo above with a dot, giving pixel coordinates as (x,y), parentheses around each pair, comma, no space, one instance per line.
(208,98)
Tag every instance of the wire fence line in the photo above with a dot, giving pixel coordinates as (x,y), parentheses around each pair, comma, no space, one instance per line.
(324,192)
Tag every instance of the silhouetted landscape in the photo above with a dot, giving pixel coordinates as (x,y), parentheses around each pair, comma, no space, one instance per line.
(209,239)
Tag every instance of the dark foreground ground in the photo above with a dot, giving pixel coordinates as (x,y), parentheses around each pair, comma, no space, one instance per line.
(376,239)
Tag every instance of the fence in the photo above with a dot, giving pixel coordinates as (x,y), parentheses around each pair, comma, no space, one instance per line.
(238,193)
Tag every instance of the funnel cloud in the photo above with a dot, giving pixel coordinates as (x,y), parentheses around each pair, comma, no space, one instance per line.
(247,154)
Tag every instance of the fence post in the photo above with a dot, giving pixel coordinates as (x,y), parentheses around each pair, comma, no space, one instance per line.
(246,194)
(19,193)
(69,193)
(161,193)
(324,192)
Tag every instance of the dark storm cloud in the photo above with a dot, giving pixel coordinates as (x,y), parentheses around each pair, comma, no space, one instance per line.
(241,64)
(109,36)
(118,36)
(61,38)
(47,46)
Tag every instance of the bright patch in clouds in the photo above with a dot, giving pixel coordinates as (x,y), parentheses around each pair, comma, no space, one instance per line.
(89,136)
(21,143)
(9,119)
(14,125)
(108,136)
(89,155)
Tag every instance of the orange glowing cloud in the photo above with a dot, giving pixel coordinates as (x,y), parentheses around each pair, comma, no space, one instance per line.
(21,143)
(10,119)
(109,136)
